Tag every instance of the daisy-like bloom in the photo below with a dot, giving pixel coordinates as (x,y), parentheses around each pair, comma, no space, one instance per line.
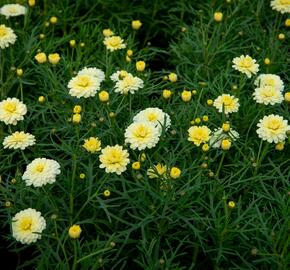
(84,85)
(19,140)
(227,102)
(219,135)
(12,110)
(273,128)
(114,159)
(270,80)
(7,36)
(41,171)
(155,116)
(246,64)
(156,171)
(114,43)
(92,145)
(12,10)
(95,72)
(283,6)
(198,134)
(141,135)
(268,95)
(27,226)
(126,82)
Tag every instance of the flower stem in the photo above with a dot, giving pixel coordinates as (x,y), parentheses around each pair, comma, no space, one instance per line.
(220,164)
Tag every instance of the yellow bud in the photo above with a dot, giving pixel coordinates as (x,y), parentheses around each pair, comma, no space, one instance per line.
(226,127)
(267,61)
(104,96)
(41,99)
(280,146)
(108,32)
(209,102)
(72,43)
(186,95)
(231,204)
(175,172)
(41,36)
(53,20)
(287,97)
(41,58)
(205,118)
(287,22)
(31,3)
(8,204)
(164,78)
(82,44)
(75,231)
(205,147)
(107,193)
(136,24)
(172,77)
(77,109)
(136,165)
(140,66)
(112,114)
(76,118)
(46,24)
(82,176)
(194,92)
(197,120)
(183,29)
(129,52)
(128,59)
(218,16)
(281,36)
(19,72)
(226,144)
(53,58)
(166,93)
(142,157)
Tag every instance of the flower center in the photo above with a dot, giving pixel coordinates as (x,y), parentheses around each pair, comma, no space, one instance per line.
(115,157)
(18,137)
(269,93)
(12,10)
(227,101)
(26,224)
(114,42)
(3,32)
(141,132)
(83,81)
(285,2)
(246,63)
(152,117)
(39,168)
(274,124)
(10,107)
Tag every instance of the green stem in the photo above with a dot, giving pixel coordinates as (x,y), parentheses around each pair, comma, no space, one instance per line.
(75,262)
(220,164)
(260,157)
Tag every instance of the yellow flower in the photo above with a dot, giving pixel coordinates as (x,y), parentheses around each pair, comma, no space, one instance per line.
(268,95)
(226,127)
(72,43)
(18,140)
(128,59)
(114,43)
(129,52)
(199,135)
(205,118)
(197,120)
(53,20)
(104,96)
(226,144)
(136,24)
(280,146)
(136,165)
(175,172)
(157,171)
(108,32)
(287,22)
(41,99)
(227,103)
(31,3)
(77,109)
(205,147)
(209,102)
(53,58)
(76,118)
(140,66)
(74,231)
(218,16)
(267,61)
(41,58)
(186,95)
(231,204)
(166,93)
(283,6)
(19,72)
(107,193)
(114,159)
(82,176)
(92,145)
(287,97)
(172,77)
(12,110)
(246,64)
(281,36)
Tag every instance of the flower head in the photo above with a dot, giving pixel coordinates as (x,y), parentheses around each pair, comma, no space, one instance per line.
(92,145)
(142,135)
(83,85)
(227,103)
(155,116)
(41,171)
(283,6)
(27,226)
(246,64)
(114,159)
(270,80)
(136,24)
(219,135)
(92,71)
(12,10)
(268,95)
(273,128)
(108,32)
(40,57)
(74,231)
(19,140)
(7,36)
(175,172)
(54,58)
(12,110)
(114,43)
(199,135)
(156,171)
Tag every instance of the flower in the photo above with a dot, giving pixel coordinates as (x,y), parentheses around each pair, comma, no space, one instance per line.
(41,99)
(41,171)
(12,10)
(31,3)
(19,72)
(104,96)
(7,36)
(175,172)
(76,118)
(156,171)
(74,231)
(246,64)
(40,58)
(107,193)
(53,58)
(283,6)
(267,61)
(18,140)
(270,80)
(141,135)
(218,16)
(27,226)
(136,24)
(12,110)
(281,36)
(226,144)
(140,66)
(114,43)
(126,82)
(114,159)
(95,72)
(287,22)
(186,95)
(136,165)
(92,145)
(108,32)
(267,95)
(231,204)
(287,97)
(273,128)
(172,77)
(198,135)
(227,103)
(166,93)
(155,116)
(77,109)
(220,134)
(53,20)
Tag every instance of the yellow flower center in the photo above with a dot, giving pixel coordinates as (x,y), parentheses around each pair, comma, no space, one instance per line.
(270,82)
(26,224)
(285,2)
(152,117)
(39,168)
(3,31)
(227,101)
(274,124)
(18,137)
(200,134)
(10,107)
(269,93)
(114,42)
(83,81)
(141,132)
(246,63)
(12,10)
(115,157)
